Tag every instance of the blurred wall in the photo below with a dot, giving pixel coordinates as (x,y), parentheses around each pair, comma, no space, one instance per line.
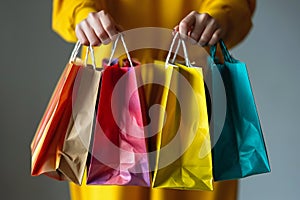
(271,52)
(32,57)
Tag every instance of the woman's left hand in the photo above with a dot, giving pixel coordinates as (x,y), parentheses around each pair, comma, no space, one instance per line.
(200,27)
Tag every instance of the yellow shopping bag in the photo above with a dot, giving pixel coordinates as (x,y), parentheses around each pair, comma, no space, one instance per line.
(153,81)
(183,146)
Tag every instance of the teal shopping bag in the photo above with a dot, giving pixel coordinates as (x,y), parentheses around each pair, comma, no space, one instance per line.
(240,149)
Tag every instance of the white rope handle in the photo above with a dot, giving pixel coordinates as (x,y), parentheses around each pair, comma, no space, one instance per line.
(186,56)
(90,51)
(176,51)
(114,49)
(75,51)
(171,48)
(86,56)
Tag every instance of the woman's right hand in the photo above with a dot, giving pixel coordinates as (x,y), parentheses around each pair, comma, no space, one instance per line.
(98,28)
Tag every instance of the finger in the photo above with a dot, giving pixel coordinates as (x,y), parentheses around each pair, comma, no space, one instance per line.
(86,35)
(175,30)
(96,26)
(90,34)
(186,23)
(119,28)
(200,24)
(81,36)
(208,32)
(108,24)
(100,32)
(215,37)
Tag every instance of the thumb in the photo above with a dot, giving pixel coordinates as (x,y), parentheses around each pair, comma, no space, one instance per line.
(175,29)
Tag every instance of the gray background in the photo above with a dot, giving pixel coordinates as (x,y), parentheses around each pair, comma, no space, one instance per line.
(32,57)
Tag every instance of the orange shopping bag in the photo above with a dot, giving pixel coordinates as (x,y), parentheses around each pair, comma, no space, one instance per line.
(60,145)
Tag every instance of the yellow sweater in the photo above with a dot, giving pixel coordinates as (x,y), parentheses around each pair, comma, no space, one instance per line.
(233,15)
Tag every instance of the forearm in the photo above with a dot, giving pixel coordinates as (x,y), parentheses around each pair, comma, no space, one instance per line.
(67,13)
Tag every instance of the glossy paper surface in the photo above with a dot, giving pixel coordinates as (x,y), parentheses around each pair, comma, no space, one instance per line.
(51,132)
(240,151)
(119,152)
(184,134)
(60,146)
(73,156)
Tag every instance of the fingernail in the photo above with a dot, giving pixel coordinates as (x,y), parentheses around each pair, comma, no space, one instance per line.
(202,43)
(107,41)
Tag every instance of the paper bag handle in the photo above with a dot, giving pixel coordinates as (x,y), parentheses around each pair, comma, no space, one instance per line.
(89,51)
(226,55)
(75,51)
(181,42)
(114,49)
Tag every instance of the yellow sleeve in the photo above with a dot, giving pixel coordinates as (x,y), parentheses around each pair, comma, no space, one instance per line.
(67,13)
(234,15)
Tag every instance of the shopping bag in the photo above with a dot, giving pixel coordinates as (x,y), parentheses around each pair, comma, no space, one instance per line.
(51,131)
(119,151)
(153,80)
(183,146)
(77,141)
(57,149)
(240,149)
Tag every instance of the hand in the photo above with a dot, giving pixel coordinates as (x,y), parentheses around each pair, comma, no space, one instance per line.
(98,28)
(201,27)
